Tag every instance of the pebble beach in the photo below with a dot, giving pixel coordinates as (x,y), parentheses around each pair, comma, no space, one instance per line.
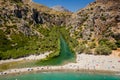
(83,62)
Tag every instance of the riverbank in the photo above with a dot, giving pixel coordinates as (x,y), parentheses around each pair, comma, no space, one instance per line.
(31,57)
(83,63)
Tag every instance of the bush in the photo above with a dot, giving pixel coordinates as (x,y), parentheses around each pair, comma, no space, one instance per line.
(92,45)
(118,43)
(108,43)
(81,48)
(111,45)
(103,50)
(88,51)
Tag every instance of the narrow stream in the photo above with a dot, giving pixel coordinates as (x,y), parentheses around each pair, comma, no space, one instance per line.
(65,56)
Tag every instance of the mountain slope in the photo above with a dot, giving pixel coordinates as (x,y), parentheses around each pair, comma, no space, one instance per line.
(60,8)
(27,28)
(98,20)
(97,27)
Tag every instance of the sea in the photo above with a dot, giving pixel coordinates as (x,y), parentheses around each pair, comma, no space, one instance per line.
(62,76)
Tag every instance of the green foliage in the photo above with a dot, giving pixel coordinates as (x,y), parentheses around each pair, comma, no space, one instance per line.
(19,40)
(20,45)
(4,42)
(108,43)
(111,45)
(103,50)
(81,48)
(118,43)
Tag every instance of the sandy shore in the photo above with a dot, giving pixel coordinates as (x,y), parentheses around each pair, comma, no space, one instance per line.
(31,57)
(83,62)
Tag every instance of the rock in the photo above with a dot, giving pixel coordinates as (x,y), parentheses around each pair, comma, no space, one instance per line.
(36,17)
(60,8)
(25,29)
(18,13)
(117,18)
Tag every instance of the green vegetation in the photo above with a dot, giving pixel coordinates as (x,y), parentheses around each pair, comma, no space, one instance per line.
(81,48)
(92,45)
(103,50)
(20,45)
(118,43)
(62,56)
(108,43)
(4,42)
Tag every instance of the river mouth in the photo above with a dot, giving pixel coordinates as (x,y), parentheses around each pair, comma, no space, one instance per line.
(62,76)
(65,55)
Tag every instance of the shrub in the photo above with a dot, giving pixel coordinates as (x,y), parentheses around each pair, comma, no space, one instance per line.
(118,43)
(108,43)
(92,45)
(103,41)
(103,50)
(81,48)
(111,45)
(88,51)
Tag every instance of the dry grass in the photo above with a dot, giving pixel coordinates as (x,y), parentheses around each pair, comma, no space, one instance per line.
(116,53)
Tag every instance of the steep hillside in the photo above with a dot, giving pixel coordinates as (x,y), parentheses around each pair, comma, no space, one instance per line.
(27,28)
(99,20)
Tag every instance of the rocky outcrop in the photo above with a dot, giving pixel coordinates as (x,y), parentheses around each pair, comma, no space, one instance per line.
(36,17)
(60,8)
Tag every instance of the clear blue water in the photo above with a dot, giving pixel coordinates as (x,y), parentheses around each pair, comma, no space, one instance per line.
(62,76)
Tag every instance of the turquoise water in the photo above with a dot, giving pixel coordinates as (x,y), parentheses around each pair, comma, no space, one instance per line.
(62,76)
(65,56)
